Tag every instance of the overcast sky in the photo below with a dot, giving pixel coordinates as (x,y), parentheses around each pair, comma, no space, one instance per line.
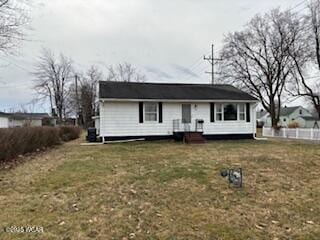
(165,40)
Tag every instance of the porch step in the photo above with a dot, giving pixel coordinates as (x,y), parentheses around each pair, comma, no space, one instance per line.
(194,138)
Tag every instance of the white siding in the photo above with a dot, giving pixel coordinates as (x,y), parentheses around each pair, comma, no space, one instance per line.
(4,122)
(307,123)
(304,112)
(301,122)
(97,124)
(122,119)
(16,123)
(35,123)
(311,124)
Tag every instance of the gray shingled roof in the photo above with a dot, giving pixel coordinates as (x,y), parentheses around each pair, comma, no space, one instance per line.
(309,118)
(3,114)
(125,90)
(31,115)
(25,115)
(288,110)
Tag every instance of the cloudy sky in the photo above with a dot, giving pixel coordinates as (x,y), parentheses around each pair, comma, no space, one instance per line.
(166,39)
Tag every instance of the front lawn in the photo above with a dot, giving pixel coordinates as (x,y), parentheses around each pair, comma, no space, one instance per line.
(165,190)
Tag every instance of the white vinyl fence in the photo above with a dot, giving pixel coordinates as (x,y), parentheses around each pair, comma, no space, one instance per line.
(294,133)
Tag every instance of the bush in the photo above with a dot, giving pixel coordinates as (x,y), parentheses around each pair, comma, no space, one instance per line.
(293,125)
(18,141)
(68,133)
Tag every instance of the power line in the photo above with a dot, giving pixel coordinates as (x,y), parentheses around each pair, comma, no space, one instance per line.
(192,66)
(297,5)
(200,71)
(15,64)
(197,61)
(16,86)
(198,65)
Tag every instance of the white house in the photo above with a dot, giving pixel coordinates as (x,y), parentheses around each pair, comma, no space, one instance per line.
(162,111)
(8,120)
(4,120)
(297,114)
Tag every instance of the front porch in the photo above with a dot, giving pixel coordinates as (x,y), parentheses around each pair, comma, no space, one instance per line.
(188,132)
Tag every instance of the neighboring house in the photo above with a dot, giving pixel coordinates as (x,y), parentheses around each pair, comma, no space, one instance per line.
(291,115)
(8,120)
(4,120)
(261,117)
(308,122)
(162,111)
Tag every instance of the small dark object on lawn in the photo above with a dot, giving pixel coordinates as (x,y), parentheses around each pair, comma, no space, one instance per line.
(224,173)
(234,176)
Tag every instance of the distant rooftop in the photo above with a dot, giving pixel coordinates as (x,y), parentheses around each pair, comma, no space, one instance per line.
(309,118)
(288,110)
(4,114)
(20,115)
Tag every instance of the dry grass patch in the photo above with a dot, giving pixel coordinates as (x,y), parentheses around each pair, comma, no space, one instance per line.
(166,190)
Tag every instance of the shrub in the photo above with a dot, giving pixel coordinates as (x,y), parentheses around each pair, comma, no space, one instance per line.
(68,133)
(18,141)
(293,125)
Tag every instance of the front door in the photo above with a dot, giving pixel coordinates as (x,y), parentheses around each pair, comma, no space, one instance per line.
(186,113)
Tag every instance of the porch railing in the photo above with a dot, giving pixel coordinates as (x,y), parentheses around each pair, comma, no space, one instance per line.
(179,126)
(176,125)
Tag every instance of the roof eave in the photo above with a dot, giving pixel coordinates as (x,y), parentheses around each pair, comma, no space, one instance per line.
(175,100)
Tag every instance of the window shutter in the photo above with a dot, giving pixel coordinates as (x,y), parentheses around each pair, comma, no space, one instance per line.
(212,113)
(248,112)
(140,112)
(160,112)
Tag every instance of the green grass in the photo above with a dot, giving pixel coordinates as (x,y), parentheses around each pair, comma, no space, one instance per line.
(165,190)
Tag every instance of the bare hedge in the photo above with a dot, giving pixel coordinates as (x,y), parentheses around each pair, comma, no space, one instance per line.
(68,133)
(19,141)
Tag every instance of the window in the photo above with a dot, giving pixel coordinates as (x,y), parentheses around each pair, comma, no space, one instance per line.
(242,112)
(219,112)
(284,119)
(230,112)
(151,112)
(300,111)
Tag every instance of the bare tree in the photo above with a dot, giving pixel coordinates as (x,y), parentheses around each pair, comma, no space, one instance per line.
(257,60)
(13,19)
(314,16)
(125,72)
(53,75)
(87,95)
(306,58)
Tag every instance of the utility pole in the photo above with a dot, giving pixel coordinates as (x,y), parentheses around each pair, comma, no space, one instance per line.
(77,100)
(211,60)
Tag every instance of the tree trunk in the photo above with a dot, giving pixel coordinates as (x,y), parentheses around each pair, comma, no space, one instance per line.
(318,110)
(274,118)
